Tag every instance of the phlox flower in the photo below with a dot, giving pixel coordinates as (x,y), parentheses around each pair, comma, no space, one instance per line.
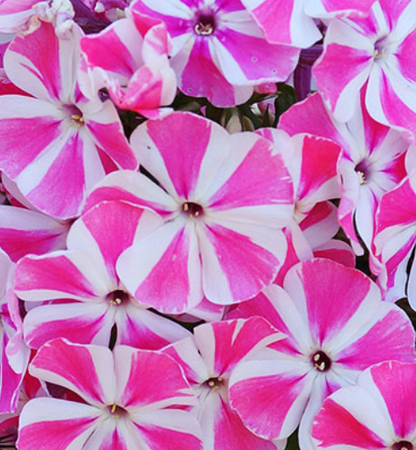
(218,51)
(372,161)
(82,294)
(130,59)
(376,50)
(395,241)
(336,326)
(291,21)
(208,359)
(378,413)
(313,165)
(224,199)
(79,137)
(14,354)
(131,399)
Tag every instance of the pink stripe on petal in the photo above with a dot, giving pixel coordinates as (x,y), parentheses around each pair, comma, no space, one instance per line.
(41,48)
(112,219)
(181,140)
(111,139)
(230,432)
(56,434)
(395,381)
(259,400)
(391,337)
(52,273)
(257,59)
(247,266)
(161,379)
(108,51)
(332,66)
(9,382)
(158,438)
(57,193)
(334,425)
(202,78)
(260,179)
(266,15)
(22,142)
(322,281)
(73,367)
(406,63)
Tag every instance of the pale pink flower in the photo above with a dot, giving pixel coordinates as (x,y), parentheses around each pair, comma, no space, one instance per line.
(378,413)
(81,140)
(218,51)
(336,326)
(224,199)
(130,399)
(82,294)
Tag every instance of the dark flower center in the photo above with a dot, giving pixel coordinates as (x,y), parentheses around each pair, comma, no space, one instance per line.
(193,209)
(402,445)
(362,172)
(117,411)
(205,24)
(321,361)
(118,297)
(76,114)
(214,383)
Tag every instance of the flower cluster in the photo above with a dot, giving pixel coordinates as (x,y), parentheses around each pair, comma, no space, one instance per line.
(207,224)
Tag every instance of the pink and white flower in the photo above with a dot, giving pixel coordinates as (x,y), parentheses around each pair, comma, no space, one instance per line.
(208,359)
(82,294)
(373,161)
(14,354)
(130,59)
(15,14)
(336,326)
(116,412)
(79,137)
(395,241)
(374,50)
(218,51)
(291,21)
(224,199)
(378,413)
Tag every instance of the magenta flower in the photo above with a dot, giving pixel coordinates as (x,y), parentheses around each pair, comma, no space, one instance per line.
(336,326)
(130,59)
(224,199)
(15,14)
(219,52)
(374,50)
(372,163)
(81,137)
(378,413)
(117,411)
(82,294)
(208,359)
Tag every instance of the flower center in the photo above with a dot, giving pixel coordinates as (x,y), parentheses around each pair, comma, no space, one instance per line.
(214,383)
(193,209)
(402,445)
(117,411)
(381,49)
(118,297)
(362,172)
(75,114)
(205,24)
(321,361)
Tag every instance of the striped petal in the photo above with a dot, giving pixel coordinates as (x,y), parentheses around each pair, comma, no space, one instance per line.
(85,370)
